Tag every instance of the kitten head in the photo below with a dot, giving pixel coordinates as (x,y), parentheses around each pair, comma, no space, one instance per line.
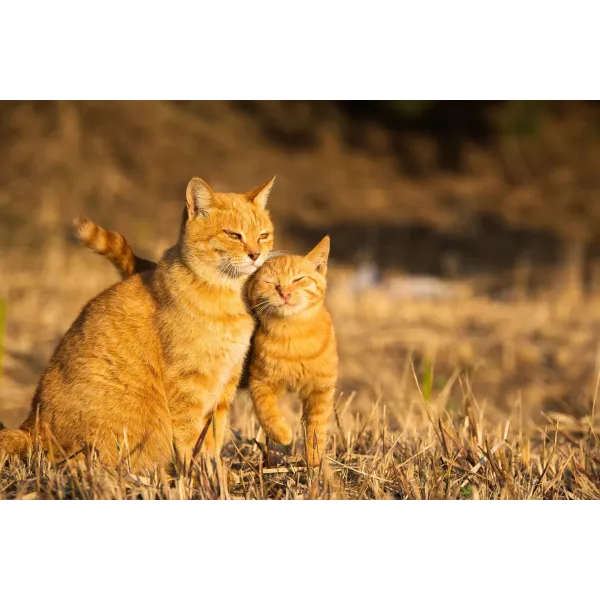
(289,285)
(226,235)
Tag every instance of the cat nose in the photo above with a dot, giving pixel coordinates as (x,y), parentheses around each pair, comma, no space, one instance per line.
(283,293)
(253,255)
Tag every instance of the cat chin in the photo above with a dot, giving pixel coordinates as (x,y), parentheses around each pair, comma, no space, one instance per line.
(288,310)
(247,270)
(260,262)
(238,271)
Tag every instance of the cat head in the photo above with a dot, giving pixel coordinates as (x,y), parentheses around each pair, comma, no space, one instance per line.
(290,285)
(226,235)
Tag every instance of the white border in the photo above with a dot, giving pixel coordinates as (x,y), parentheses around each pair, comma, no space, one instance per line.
(309,50)
(337,549)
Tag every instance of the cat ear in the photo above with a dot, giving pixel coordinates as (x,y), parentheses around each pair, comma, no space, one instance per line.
(319,255)
(199,198)
(260,194)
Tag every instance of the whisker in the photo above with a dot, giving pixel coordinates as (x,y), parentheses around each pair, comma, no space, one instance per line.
(264,309)
(261,303)
(276,253)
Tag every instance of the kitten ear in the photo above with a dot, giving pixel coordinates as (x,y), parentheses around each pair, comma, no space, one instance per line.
(319,255)
(260,194)
(199,198)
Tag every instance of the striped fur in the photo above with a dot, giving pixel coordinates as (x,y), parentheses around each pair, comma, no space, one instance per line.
(113,246)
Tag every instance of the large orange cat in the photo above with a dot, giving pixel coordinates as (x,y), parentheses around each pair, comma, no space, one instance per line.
(150,359)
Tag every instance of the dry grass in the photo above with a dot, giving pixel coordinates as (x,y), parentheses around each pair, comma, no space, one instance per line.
(456,458)
(455,398)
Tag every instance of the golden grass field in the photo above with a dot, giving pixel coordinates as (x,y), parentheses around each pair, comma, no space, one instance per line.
(455,398)
(464,396)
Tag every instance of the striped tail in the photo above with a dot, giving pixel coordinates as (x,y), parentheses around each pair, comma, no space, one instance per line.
(14,441)
(113,246)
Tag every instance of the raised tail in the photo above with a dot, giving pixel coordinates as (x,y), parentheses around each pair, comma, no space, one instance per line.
(14,441)
(113,246)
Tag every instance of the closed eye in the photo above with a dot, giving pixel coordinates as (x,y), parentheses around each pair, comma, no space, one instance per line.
(233,235)
(298,279)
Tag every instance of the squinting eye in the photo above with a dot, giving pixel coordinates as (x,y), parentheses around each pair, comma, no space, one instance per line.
(264,236)
(298,279)
(233,234)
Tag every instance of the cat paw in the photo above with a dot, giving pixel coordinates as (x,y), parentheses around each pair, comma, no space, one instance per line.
(280,432)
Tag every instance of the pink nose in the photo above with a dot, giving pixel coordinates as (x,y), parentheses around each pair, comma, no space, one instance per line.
(253,255)
(283,293)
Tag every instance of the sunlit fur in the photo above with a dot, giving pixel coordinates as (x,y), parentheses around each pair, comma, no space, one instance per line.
(113,246)
(151,358)
(294,347)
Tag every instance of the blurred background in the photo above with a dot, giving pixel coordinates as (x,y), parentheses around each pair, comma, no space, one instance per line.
(465,259)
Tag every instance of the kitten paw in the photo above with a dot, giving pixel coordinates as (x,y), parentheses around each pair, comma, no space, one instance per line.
(280,432)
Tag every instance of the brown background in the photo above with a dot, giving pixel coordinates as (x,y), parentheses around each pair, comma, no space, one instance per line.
(499,200)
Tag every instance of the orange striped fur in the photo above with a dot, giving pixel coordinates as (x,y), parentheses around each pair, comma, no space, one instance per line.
(294,347)
(150,359)
(113,246)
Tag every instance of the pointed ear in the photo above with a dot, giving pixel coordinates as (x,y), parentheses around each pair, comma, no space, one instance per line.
(260,194)
(199,198)
(319,255)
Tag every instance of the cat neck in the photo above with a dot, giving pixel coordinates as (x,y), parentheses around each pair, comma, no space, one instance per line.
(186,281)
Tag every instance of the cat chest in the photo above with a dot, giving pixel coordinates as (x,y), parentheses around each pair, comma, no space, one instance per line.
(220,342)
(225,360)
(294,362)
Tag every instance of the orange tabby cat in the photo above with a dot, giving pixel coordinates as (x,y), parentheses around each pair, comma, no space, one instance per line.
(150,359)
(294,347)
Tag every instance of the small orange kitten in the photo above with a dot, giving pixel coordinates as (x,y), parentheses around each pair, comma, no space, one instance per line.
(294,347)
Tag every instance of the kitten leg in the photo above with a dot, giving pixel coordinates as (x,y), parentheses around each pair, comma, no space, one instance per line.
(317,409)
(264,399)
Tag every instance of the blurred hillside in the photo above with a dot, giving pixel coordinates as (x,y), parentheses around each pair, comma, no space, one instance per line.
(450,188)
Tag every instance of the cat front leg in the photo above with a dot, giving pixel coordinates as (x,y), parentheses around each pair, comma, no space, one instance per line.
(264,399)
(317,409)
(216,432)
(188,404)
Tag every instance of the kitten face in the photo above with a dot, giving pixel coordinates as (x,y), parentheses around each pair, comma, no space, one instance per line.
(231,234)
(288,285)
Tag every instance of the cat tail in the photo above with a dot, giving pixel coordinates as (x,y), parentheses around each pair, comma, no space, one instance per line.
(113,246)
(14,441)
